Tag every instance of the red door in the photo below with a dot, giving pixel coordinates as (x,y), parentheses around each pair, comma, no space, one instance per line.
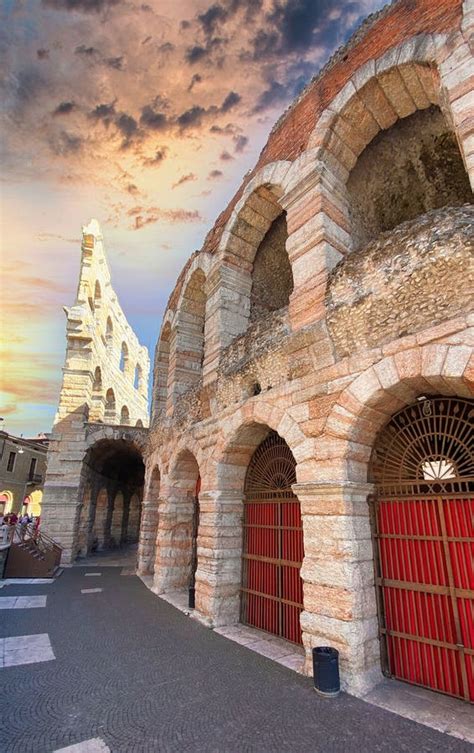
(272,590)
(424,535)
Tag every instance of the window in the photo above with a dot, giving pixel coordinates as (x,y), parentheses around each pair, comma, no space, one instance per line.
(11,461)
(32,469)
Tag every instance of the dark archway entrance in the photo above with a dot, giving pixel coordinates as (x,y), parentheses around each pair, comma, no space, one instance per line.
(113,476)
(423,467)
(272,589)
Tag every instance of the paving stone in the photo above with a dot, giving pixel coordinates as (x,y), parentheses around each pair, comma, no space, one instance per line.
(134,672)
(91,590)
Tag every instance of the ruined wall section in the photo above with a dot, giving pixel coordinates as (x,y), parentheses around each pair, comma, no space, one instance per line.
(96,333)
(97,330)
(417,275)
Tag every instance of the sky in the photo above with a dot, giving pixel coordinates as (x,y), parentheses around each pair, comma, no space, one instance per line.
(146,116)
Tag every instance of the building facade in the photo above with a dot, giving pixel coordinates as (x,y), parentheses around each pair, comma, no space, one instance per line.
(95,470)
(310,448)
(22,473)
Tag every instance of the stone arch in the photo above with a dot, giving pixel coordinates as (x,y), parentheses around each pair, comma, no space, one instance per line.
(149,523)
(161,375)
(175,525)
(124,416)
(187,341)
(124,357)
(358,127)
(230,279)
(139,423)
(110,406)
(368,403)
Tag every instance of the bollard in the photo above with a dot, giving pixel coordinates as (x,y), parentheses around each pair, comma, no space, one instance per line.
(326,671)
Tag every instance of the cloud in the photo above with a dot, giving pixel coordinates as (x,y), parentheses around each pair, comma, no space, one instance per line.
(225,156)
(83,6)
(196,79)
(274,94)
(157,158)
(115,62)
(88,51)
(127,125)
(191,117)
(211,18)
(240,142)
(230,101)
(185,179)
(215,174)
(145,216)
(156,121)
(65,143)
(42,54)
(104,112)
(64,108)
(195,54)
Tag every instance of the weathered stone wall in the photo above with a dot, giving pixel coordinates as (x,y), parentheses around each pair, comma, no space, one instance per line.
(418,275)
(405,171)
(272,279)
(105,379)
(338,364)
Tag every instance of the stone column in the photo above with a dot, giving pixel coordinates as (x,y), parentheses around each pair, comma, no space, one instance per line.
(227,312)
(173,543)
(148,534)
(338,574)
(218,577)
(318,238)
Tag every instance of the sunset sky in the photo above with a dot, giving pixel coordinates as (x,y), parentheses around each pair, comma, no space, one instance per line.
(143,115)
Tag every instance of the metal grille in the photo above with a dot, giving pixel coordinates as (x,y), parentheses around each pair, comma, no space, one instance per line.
(272,590)
(422,516)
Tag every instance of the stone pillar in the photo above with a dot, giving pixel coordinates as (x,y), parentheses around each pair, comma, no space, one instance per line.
(218,577)
(227,312)
(116,522)
(338,574)
(173,543)
(148,534)
(318,238)
(101,512)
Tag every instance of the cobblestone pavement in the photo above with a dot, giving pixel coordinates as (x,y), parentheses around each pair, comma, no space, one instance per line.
(137,674)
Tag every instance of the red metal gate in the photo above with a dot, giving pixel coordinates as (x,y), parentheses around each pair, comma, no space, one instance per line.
(423,514)
(272,590)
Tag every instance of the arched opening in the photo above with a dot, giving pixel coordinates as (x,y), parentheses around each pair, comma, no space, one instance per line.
(124,416)
(6,501)
(162,363)
(423,468)
(97,294)
(272,552)
(124,357)
(109,332)
(272,278)
(138,378)
(139,424)
(187,347)
(406,170)
(110,407)
(116,468)
(178,538)
(149,525)
(97,383)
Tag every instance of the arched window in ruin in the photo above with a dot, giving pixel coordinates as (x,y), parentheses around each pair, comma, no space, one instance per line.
(124,415)
(97,383)
(406,170)
(138,378)
(272,278)
(97,294)
(139,424)
(109,332)
(162,363)
(124,357)
(110,407)
(188,336)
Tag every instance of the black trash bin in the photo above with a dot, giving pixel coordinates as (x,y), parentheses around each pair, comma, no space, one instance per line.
(326,671)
